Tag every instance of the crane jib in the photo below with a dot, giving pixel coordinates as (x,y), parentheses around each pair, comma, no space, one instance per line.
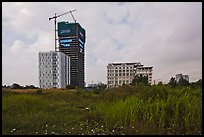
(66,13)
(55,17)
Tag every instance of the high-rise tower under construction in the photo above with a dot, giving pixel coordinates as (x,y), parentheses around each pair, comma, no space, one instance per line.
(71,38)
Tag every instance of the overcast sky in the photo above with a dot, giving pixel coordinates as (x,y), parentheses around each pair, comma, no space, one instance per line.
(167,36)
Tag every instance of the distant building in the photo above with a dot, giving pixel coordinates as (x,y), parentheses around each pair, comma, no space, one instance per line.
(124,73)
(54,70)
(93,85)
(96,86)
(180,76)
(186,77)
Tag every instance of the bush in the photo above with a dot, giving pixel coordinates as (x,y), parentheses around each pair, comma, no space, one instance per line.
(154,110)
(70,87)
(39,91)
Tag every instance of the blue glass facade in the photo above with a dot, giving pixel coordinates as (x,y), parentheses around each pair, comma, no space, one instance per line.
(65,42)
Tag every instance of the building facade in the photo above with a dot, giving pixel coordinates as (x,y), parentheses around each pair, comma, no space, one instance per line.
(124,73)
(146,71)
(180,76)
(71,38)
(54,69)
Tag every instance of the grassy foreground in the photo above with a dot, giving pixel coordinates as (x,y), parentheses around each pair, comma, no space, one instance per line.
(126,110)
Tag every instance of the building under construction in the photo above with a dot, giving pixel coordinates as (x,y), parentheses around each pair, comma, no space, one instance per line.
(71,39)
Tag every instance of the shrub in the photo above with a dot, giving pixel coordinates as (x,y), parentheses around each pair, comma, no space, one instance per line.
(70,86)
(39,91)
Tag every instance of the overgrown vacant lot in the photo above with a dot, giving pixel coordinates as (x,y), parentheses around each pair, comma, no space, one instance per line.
(126,110)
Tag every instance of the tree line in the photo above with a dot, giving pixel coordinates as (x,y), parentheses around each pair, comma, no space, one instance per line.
(17,86)
(142,79)
(139,79)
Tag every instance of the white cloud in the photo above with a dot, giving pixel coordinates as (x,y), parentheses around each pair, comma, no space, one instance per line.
(166,36)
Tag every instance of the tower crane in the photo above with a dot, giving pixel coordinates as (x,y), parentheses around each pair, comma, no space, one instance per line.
(55,21)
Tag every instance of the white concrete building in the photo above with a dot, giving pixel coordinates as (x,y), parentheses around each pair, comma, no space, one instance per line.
(147,71)
(180,76)
(54,69)
(123,73)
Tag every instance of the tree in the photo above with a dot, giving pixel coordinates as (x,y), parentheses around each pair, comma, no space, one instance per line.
(32,87)
(172,82)
(138,79)
(70,86)
(3,86)
(101,85)
(197,84)
(160,83)
(16,86)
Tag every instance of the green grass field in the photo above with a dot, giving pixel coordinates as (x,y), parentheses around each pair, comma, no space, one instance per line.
(126,110)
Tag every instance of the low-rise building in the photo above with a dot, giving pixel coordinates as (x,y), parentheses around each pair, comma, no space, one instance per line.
(180,76)
(124,73)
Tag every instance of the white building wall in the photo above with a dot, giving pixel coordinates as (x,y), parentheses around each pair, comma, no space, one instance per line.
(123,73)
(64,70)
(147,71)
(178,77)
(45,70)
(54,70)
(119,74)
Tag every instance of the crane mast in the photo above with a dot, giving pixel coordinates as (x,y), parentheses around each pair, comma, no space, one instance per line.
(55,21)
